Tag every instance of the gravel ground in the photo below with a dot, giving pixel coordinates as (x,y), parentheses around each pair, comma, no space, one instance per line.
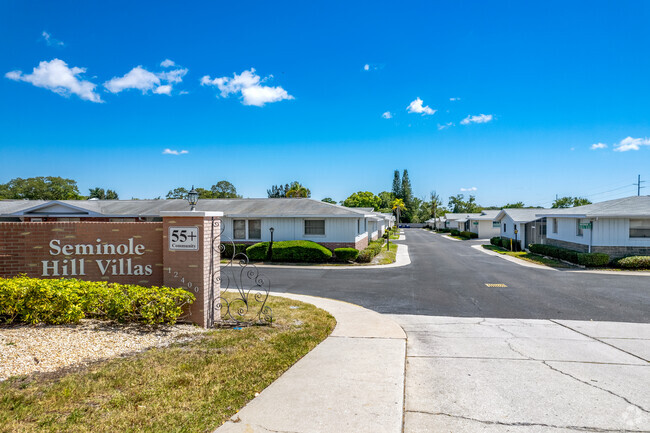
(44,348)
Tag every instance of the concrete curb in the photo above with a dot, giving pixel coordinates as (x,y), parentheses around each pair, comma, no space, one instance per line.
(402,258)
(450,238)
(352,382)
(513,259)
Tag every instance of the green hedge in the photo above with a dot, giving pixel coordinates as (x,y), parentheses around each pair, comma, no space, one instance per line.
(346,254)
(496,241)
(585,259)
(634,262)
(469,235)
(370,252)
(228,249)
(300,251)
(454,232)
(258,251)
(34,300)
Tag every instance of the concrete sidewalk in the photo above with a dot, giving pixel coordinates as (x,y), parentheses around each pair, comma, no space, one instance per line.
(352,382)
(515,375)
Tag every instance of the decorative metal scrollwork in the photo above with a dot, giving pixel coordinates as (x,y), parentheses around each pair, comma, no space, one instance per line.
(249,287)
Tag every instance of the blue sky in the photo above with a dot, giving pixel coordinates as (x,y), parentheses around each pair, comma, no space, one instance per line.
(512,96)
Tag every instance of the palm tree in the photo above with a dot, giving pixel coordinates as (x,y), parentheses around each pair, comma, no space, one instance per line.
(297,190)
(398,205)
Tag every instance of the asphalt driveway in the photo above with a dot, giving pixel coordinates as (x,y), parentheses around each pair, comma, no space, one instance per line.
(447,278)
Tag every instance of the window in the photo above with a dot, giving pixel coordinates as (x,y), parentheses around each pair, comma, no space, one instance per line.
(358,226)
(254,229)
(239,229)
(640,228)
(315,227)
(554,225)
(578,228)
(504,227)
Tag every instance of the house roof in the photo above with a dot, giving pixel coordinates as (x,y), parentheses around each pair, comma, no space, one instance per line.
(486,215)
(256,207)
(524,215)
(628,207)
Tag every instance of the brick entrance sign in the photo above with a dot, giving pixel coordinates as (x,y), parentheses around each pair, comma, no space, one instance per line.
(177,252)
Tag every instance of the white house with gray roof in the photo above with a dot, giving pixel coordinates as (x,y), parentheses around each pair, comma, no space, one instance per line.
(524,226)
(618,227)
(484,225)
(245,220)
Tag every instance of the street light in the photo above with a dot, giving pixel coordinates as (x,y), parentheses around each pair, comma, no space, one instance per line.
(193,198)
(270,254)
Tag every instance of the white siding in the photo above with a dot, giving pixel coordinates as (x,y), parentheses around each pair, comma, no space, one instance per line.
(608,232)
(289,229)
(509,232)
(485,229)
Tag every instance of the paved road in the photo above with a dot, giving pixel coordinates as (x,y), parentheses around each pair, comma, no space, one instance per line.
(448,278)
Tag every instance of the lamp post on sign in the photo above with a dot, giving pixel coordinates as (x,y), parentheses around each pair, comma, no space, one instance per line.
(193,198)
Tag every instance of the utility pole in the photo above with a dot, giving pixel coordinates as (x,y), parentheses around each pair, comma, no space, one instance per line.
(638,185)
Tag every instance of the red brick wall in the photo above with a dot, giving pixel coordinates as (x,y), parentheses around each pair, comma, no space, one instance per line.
(361,244)
(25,245)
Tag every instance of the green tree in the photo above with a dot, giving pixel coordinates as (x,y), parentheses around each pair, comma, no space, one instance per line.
(177,193)
(297,190)
(397,185)
(457,204)
(407,196)
(386,198)
(518,205)
(566,202)
(100,194)
(363,199)
(224,189)
(40,188)
(329,200)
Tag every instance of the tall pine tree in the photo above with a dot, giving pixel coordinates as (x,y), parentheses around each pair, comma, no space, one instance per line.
(397,185)
(407,196)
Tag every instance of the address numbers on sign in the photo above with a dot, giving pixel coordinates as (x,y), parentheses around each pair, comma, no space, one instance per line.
(184,238)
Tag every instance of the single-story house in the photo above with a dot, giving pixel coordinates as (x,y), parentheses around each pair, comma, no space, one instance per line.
(523,225)
(618,227)
(461,222)
(484,224)
(378,223)
(245,220)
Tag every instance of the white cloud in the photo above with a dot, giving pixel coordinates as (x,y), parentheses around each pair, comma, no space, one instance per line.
(454,99)
(167,63)
(144,80)
(249,85)
(174,152)
(445,126)
(387,115)
(165,89)
(50,41)
(417,107)
(630,143)
(366,67)
(598,146)
(469,189)
(481,118)
(56,76)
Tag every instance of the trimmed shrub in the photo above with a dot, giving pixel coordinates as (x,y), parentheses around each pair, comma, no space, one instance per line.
(505,243)
(300,251)
(496,241)
(366,255)
(469,235)
(634,262)
(455,232)
(258,251)
(52,301)
(346,254)
(227,250)
(593,260)
(564,254)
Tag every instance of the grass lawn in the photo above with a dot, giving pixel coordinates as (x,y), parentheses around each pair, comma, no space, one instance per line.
(386,257)
(529,257)
(187,387)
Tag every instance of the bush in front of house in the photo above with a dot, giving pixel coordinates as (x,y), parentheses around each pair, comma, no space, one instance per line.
(593,260)
(469,235)
(634,262)
(370,252)
(60,301)
(346,254)
(258,251)
(496,241)
(300,251)
(455,232)
(227,250)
